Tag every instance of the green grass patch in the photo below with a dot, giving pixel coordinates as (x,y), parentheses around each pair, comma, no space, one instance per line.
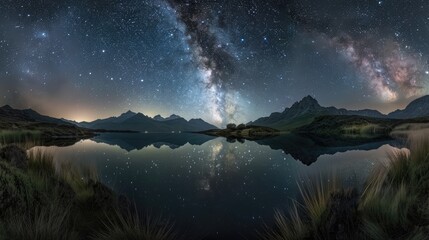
(289,125)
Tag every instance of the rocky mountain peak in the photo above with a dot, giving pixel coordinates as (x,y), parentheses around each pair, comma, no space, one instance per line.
(307,103)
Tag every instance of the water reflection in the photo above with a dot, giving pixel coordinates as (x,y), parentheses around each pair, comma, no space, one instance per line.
(304,148)
(214,188)
(308,149)
(137,141)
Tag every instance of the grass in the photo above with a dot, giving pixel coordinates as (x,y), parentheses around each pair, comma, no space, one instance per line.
(394,203)
(304,217)
(290,125)
(412,126)
(130,226)
(77,177)
(363,130)
(60,200)
(13,136)
(413,131)
(49,222)
(42,209)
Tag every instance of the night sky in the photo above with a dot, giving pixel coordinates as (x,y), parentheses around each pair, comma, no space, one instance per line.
(220,60)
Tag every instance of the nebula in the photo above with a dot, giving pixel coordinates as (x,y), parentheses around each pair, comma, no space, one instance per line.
(388,69)
(211,56)
(391,71)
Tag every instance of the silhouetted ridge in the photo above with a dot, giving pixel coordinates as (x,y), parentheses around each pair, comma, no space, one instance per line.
(139,122)
(417,108)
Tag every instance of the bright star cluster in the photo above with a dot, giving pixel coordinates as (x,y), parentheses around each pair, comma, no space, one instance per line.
(223,61)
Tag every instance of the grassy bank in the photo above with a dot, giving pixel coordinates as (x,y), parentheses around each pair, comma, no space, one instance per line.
(394,204)
(21,136)
(43,130)
(45,200)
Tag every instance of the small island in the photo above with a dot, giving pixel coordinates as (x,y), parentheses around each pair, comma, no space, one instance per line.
(250,132)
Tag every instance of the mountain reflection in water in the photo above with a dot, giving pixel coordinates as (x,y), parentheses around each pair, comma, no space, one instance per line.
(306,149)
(213,188)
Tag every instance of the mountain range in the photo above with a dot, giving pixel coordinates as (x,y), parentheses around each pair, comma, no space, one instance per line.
(417,108)
(299,114)
(131,121)
(305,111)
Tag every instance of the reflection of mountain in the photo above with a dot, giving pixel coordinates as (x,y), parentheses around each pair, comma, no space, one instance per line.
(308,149)
(138,141)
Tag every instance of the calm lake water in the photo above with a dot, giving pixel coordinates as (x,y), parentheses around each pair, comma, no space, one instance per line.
(214,188)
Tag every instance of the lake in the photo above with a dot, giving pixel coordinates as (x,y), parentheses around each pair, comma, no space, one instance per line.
(215,188)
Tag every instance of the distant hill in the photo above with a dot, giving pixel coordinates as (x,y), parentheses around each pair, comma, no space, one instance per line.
(142,123)
(9,114)
(29,124)
(111,120)
(161,119)
(128,121)
(304,112)
(417,108)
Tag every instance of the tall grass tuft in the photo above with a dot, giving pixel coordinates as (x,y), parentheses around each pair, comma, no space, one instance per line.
(395,201)
(18,137)
(78,177)
(316,196)
(130,226)
(288,228)
(50,222)
(304,218)
(52,200)
(41,162)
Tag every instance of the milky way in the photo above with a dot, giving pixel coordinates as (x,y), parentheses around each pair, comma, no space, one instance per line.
(211,56)
(391,71)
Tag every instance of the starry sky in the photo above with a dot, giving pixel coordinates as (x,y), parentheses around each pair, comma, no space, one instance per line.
(220,60)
